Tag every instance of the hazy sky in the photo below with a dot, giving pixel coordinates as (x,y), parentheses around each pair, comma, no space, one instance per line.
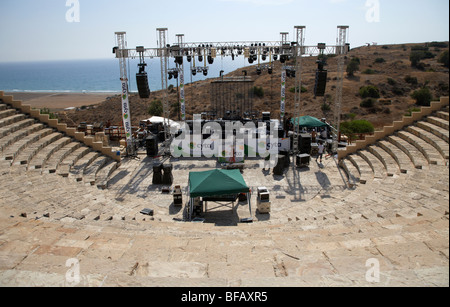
(40,30)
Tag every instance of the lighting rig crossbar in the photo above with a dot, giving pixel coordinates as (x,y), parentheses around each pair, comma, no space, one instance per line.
(207,51)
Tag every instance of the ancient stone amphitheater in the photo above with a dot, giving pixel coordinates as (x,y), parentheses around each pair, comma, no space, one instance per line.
(378,216)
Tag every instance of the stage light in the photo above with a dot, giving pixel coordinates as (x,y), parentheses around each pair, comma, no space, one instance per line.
(258,71)
(275,57)
(179,60)
(189,58)
(200,58)
(175,74)
(270,70)
(170,75)
(210,60)
(205,72)
(194,72)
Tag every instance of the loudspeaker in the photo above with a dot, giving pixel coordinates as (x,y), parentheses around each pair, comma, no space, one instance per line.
(321,83)
(279,168)
(287,159)
(168,176)
(152,146)
(304,143)
(142,85)
(157,174)
(302,160)
(280,132)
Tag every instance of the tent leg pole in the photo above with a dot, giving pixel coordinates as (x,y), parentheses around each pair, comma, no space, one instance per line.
(249,203)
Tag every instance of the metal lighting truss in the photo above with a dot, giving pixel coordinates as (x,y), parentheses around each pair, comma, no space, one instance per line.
(295,50)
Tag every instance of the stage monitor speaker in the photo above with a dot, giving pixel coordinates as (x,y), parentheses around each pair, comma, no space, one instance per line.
(152,146)
(321,83)
(142,85)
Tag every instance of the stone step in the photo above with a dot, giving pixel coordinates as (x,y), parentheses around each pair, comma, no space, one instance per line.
(442,114)
(436,142)
(71,159)
(57,157)
(14,150)
(103,175)
(11,120)
(363,167)
(378,168)
(440,122)
(401,158)
(3,106)
(430,153)
(416,157)
(90,172)
(353,175)
(44,155)
(436,130)
(388,161)
(33,148)
(7,130)
(7,113)
(78,168)
(19,135)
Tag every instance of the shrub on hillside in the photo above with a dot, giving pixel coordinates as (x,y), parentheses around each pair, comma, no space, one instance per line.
(369,91)
(368,103)
(353,66)
(423,96)
(258,91)
(411,80)
(443,58)
(391,81)
(357,126)
(156,108)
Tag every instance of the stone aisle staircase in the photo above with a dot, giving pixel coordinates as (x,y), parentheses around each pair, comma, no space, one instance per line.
(27,145)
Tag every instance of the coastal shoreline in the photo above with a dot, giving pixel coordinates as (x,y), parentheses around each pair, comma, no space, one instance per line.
(59,101)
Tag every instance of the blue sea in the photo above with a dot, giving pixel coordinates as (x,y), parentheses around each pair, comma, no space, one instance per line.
(95,76)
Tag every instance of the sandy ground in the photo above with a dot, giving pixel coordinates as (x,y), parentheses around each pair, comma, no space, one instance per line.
(60,101)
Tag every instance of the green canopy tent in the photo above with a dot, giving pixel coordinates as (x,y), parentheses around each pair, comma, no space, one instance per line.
(217,184)
(308,122)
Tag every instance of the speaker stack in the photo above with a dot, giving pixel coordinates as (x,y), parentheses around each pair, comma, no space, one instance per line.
(157,173)
(142,85)
(304,143)
(279,168)
(168,176)
(152,146)
(321,83)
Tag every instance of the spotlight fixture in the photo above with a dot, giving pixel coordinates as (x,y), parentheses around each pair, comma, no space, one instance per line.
(210,60)
(205,72)
(270,70)
(189,58)
(258,71)
(179,60)
(170,75)
(194,71)
(200,58)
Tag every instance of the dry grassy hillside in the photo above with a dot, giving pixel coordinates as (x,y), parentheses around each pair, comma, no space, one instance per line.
(394,102)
